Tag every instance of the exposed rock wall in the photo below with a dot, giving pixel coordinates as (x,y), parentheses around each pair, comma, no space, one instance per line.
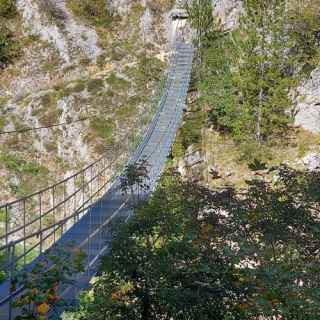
(69,70)
(228,12)
(69,37)
(308,103)
(120,7)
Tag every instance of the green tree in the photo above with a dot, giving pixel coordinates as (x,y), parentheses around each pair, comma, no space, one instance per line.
(135,179)
(278,234)
(94,11)
(191,253)
(201,19)
(162,266)
(250,73)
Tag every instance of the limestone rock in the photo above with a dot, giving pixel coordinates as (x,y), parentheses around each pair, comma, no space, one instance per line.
(193,159)
(120,7)
(228,12)
(308,103)
(312,161)
(68,36)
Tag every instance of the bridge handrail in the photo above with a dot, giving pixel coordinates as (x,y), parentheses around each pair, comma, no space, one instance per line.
(59,224)
(142,142)
(43,215)
(83,169)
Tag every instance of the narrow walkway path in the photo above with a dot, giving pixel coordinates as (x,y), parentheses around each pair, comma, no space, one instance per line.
(93,231)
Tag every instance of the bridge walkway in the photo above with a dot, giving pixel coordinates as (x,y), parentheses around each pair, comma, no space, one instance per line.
(93,232)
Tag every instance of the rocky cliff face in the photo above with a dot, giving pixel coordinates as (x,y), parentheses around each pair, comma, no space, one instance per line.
(68,36)
(96,79)
(308,103)
(228,12)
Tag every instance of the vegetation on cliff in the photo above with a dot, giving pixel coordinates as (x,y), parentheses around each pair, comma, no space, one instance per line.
(195,253)
(9,48)
(244,85)
(192,253)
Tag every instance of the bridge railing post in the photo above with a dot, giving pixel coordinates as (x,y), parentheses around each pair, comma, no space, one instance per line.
(83,189)
(40,223)
(11,277)
(64,206)
(7,227)
(24,232)
(54,213)
(74,200)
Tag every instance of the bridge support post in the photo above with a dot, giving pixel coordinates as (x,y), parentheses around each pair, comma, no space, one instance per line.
(24,232)
(40,221)
(12,254)
(7,225)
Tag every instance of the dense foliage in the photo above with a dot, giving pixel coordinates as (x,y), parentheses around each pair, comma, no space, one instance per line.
(248,75)
(8,8)
(44,281)
(9,49)
(190,253)
(94,11)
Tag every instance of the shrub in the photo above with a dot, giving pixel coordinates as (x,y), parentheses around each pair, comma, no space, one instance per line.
(8,8)
(95,85)
(252,152)
(20,166)
(41,298)
(103,128)
(94,11)
(9,49)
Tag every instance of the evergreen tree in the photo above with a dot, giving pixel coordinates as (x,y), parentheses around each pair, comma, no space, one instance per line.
(250,73)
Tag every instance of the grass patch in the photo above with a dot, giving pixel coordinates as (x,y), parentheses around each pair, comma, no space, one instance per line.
(117,83)
(306,141)
(79,86)
(2,122)
(94,86)
(93,11)
(125,112)
(20,166)
(237,159)
(103,129)
(48,113)
(31,175)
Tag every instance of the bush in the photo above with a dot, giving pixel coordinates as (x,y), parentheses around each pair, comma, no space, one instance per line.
(95,85)
(41,298)
(94,11)
(251,152)
(191,129)
(103,129)
(8,8)
(9,49)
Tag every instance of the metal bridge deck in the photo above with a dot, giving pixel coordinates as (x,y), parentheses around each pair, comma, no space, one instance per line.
(93,231)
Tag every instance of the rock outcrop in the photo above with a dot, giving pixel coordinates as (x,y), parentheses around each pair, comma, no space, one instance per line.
(312,161)
(308,103)
(228,12)
(67,35)
(71,69)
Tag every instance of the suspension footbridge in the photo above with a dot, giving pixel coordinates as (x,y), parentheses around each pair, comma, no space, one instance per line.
(81,208)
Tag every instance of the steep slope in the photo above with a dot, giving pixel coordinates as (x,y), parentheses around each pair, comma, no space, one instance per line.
(95,76)
(209,154)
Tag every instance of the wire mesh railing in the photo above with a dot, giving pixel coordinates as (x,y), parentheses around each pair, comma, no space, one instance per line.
(34,223)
